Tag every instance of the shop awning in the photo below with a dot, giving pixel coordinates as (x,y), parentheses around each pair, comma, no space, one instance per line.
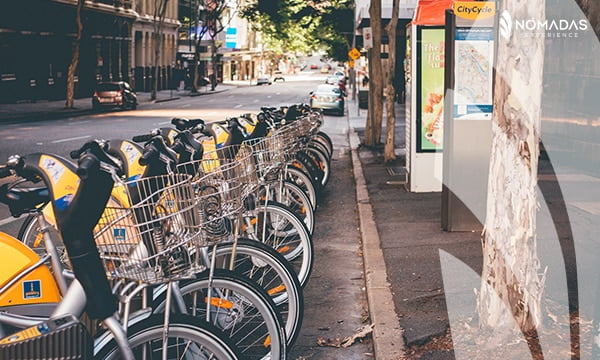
(432,12)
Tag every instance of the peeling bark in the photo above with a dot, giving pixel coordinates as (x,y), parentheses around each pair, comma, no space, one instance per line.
(70,95)
(160,8)
(390,125)
(375,113)
(511,269)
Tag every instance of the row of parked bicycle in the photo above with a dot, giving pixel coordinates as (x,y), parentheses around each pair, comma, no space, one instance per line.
(189,242)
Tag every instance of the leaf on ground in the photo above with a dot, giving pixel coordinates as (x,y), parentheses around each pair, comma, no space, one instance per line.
(347,341)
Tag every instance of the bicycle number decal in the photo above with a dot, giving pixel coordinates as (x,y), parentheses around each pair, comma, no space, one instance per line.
(32,289)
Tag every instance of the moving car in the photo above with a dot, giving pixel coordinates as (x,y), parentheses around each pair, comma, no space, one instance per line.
(278,76)
(263,80)
(114,94)
(328,98)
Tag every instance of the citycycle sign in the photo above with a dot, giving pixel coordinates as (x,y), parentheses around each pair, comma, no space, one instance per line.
(474,10)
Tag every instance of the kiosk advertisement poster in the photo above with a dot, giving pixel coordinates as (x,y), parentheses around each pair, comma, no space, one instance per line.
(430,104)
(473,56)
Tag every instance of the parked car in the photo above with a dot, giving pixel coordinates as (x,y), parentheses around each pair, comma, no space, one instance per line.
(334,80)
(278,76)
(114,94)
(340,75)
(328,98)
(263,80)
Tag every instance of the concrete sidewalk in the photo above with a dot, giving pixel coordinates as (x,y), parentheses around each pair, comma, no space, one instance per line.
(402,235)
(44,109)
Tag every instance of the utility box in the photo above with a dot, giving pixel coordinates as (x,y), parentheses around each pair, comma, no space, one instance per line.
(467,115)
(363,99)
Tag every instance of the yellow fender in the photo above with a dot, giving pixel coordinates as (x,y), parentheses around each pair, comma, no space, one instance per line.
(35,288)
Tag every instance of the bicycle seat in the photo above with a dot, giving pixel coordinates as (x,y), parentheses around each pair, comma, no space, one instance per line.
(25,200)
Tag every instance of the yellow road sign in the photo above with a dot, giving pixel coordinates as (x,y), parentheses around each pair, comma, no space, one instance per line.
(354,54)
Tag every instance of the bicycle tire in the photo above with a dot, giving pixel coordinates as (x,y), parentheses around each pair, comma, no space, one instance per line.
(245,312)
(324,139)
(271,271)
(279,228)
(183,331)
(306,163)
(319,145)
(299,178)
(292,196)
(321,135)
(322,162)
(28,235)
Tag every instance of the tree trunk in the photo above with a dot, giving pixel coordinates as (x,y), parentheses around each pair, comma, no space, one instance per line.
(511,282)
(213,60)
(390,126)
(160,8)
(75,58)
(375,113)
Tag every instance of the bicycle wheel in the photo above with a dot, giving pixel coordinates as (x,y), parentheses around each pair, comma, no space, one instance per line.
(322,162)
(30,235)
(278,227)
(271,271)
(292,196)
(299,178)
(238,307)
(306,163)
(320,146)
(187,338)
(324,139)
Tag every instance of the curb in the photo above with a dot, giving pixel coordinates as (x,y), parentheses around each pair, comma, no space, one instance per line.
(164,100)
(388,341)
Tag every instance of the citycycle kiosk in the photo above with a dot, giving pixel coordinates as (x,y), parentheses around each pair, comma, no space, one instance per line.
(467,114)
(425,95)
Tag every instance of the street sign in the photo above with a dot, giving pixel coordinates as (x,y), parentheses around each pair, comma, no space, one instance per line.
(351,64)
(354,54)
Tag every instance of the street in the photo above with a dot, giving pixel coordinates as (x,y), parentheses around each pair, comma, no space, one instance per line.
(334,298)
(60,136)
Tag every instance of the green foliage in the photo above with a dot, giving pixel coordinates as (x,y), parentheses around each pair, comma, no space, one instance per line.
(298,25)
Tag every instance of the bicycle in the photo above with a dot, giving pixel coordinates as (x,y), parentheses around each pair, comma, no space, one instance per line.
(232,297)
(221,185)
(90,288)
(156,162)
(267,221)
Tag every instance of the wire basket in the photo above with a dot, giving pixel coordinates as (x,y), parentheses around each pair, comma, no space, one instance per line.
(269,154)
(290,135)
(149,235)
(222,181)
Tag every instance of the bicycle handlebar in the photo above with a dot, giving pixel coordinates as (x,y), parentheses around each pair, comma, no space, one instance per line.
(5,171)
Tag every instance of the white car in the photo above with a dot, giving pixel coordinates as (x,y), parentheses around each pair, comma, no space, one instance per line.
(263,80)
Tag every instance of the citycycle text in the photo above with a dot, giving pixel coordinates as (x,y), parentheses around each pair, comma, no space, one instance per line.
(475,9)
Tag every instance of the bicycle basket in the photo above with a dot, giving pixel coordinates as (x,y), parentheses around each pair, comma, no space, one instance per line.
(268,154)
(150,238)
(222,180)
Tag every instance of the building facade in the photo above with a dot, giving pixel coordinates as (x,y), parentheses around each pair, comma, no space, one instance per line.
(36,40)
(144,45)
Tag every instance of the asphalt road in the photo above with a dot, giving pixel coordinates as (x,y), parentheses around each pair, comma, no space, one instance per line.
(335,302)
